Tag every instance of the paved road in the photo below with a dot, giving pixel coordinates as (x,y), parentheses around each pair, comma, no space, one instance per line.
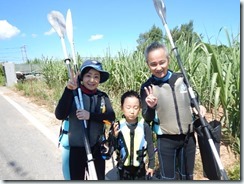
(26,153)
(28,140)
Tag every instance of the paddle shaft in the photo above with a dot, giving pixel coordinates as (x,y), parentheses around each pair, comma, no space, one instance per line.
(58,25)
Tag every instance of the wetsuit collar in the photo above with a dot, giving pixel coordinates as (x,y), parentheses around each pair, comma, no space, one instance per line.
(87,91)
(163,79)
(131,124)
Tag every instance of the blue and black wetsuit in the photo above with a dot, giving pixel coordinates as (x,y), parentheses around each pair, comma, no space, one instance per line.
(74,155)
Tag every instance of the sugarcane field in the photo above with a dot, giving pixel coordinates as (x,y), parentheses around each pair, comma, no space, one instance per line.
(45,89)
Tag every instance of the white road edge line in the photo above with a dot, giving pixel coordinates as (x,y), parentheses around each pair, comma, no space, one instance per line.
(44,130)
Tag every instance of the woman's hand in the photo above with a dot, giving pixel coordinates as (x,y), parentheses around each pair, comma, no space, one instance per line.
(72,83)
(82,114)
(151,100)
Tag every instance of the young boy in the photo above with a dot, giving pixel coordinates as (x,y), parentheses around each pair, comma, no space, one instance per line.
(133,141)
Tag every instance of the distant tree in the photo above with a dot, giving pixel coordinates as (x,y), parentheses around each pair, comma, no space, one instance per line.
(186,31)
(154,34)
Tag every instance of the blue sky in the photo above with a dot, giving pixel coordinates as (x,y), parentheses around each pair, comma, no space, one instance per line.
(102,25)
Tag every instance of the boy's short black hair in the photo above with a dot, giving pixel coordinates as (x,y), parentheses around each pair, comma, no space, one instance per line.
(130,93)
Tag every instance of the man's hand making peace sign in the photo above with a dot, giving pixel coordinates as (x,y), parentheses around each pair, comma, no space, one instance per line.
(151,100)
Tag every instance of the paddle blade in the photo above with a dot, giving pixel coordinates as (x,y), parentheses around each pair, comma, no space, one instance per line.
(57,21)
(69,31)
(161,9)
(69,26)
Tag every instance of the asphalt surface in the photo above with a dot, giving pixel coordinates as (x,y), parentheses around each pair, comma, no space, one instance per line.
(29,139)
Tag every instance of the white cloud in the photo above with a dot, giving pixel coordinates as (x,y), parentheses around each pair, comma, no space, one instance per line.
(33,35)
(51,31)
(96,37)
(7,30)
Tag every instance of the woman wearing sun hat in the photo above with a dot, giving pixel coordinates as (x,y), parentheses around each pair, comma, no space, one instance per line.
(97,107)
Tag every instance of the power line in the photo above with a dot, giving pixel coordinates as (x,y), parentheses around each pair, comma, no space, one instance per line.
(14,54)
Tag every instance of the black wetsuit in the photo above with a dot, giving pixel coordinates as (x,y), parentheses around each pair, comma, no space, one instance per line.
(74,155)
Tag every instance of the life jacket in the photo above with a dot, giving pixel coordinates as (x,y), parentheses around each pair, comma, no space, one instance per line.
(63,134)
(173,110)
(136,144)
(67,138)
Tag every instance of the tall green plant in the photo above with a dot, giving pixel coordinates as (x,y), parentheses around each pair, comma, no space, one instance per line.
(54,72)
(127,72)
(225,69)
(2,76)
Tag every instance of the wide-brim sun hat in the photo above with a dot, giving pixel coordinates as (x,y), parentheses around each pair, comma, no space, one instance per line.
(96,65)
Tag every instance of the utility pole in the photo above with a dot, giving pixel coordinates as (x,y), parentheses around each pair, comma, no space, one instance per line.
(24,54)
